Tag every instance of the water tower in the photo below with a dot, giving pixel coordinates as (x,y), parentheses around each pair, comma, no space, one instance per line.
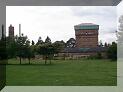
(86,35)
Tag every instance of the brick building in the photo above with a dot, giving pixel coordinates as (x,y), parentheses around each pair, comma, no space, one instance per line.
(86,35)
(11,31)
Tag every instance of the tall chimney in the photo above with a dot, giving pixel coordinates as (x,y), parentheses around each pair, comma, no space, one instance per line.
(19,29)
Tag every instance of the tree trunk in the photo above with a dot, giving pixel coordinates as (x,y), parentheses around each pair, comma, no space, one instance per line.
(50,60)
(20,60)
(64,57)
(29,60)
(45,60)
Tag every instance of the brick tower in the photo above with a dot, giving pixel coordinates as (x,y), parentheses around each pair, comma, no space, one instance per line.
(11,31)
(86,35)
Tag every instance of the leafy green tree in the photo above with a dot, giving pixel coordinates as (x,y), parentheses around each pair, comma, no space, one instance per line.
(33,43)
(11,47)
(58,46)
(48,40)
(28,53)
(40,41)
(22,46)
(100,43)
(71,43)
(99,56)
(112,51)
(45,50)
(106,45)
(3,54)
(49,49)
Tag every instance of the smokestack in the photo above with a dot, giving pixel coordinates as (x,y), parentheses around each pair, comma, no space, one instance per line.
(19,30)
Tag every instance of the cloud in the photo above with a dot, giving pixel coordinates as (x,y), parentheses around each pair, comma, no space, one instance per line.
(106,11)
(58,21)
(105,17)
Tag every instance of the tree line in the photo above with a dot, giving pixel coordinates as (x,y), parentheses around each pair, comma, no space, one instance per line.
(20,46)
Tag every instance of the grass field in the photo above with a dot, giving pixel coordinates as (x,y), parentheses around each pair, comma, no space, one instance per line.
(62,73)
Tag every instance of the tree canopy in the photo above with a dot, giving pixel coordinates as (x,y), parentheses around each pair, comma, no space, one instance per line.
(112,51)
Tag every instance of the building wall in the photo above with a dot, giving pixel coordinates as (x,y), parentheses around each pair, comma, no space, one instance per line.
(81,55)
(86,38)
(11,31)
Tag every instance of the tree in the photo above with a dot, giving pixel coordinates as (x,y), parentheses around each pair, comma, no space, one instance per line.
(99,56)
(48,40)
(40,41)
(27,42)
(71,43)
(22,46)
(11,47)
(33,43)
(3,54)
(58,46)
(29,53)
(112,51)
(100,43)
(45,50)
(106,45)
(49,49)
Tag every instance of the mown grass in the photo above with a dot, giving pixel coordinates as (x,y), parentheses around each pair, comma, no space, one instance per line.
(62,73)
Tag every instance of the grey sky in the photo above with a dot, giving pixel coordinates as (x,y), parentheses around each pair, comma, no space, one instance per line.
(58,21)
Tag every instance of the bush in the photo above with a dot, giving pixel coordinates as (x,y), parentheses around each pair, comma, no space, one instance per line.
(112,51)
(98,56)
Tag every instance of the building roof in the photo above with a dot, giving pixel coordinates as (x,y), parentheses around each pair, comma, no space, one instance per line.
(86,26)
(84,50)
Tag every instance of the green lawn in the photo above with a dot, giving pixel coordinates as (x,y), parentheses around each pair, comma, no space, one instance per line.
(63,73)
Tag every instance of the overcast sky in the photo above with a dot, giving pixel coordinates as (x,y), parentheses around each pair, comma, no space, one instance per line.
(58,22)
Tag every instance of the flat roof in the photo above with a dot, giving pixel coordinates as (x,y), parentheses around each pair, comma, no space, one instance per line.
(85,26)
(84,50)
